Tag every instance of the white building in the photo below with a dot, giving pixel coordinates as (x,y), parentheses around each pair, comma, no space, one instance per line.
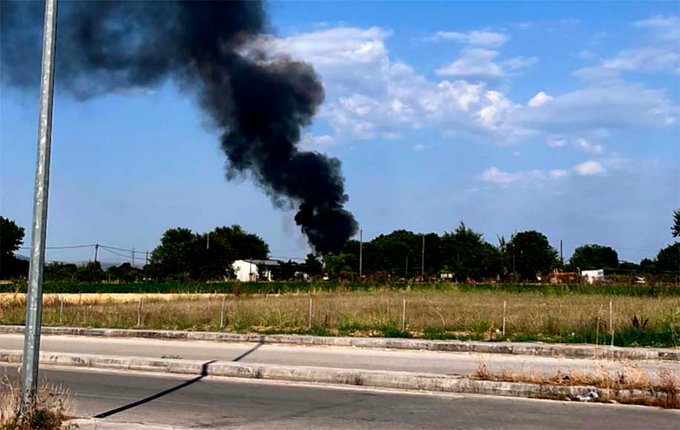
(253,270)
(592,276)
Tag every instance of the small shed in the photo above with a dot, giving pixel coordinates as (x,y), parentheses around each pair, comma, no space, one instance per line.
(253,270)
(592,276)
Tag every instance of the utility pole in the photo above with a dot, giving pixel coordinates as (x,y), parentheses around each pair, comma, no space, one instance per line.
(207,241)
(146,259)
(361,254)
(96,251)
(561,256)
(422,261)
(30,359)
(133,256)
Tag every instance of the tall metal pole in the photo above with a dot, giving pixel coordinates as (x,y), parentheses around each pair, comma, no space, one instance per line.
(422,261)
(561,255)
(361,254)
(31,357)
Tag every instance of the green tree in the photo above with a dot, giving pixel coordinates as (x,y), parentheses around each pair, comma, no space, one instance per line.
(285,271)
(56,271)
(174,257)
(647,265)
(11,238)
(675,229)
(468,256)
(340,265)
(91,272)
(668,259)
(400,254)
(242,245)
(312,266)
(531,254)
(125,273)
(183,254)
(594,257)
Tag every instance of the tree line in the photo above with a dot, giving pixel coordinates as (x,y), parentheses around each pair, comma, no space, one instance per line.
(461,255)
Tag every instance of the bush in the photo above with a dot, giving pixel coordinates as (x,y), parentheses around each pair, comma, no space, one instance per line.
(48,413)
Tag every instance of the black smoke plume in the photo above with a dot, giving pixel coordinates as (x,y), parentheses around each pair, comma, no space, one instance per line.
(258,101)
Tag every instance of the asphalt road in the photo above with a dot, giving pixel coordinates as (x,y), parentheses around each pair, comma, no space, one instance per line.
(325,356)
(220,403)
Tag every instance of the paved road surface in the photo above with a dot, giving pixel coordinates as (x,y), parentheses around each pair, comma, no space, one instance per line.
(222,403)
(323,356)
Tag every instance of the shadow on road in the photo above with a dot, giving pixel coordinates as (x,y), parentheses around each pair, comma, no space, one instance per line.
(247,353)
(204,373)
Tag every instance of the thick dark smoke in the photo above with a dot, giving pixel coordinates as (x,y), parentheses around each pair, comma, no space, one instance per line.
(259,102)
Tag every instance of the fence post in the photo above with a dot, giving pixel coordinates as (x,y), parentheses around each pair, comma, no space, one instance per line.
(139,313)
(403,316)
(611,324)
(222,312)
(309,325)
(504,312)
(61,308)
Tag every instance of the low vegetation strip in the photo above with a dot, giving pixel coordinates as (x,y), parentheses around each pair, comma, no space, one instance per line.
(630,385)
(246,288)
(417,313)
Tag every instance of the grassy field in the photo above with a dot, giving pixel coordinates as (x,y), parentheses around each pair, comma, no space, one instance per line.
(297,287)
(454,312)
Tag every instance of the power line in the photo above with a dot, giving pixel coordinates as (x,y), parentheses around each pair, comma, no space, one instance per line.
(61,247)
(114,252)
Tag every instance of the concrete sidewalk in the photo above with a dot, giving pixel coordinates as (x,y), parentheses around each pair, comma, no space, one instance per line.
(400,360)
(524,348)
(401,364)
(334,376)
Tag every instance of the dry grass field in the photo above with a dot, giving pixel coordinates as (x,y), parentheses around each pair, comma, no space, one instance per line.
(378,312)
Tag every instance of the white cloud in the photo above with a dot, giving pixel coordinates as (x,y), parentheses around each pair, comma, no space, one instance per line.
(589,168)
(664,28)
(539,99)
(496,176)
(519,63)
(558,173)
(478,64)
(600,108)
(334,46)
(589,147)
(371,96)
(476,38)
(659,54)
(474,63)
(647,59)
(419,147)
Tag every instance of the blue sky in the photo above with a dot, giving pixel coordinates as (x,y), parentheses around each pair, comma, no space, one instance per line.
(561,117)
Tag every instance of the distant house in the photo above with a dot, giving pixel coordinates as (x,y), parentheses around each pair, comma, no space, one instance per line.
(557,277)
(253,270)
(592,276)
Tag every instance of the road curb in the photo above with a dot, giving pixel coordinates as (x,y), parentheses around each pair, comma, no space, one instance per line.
(309,374)
(101,424)
(537,349)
